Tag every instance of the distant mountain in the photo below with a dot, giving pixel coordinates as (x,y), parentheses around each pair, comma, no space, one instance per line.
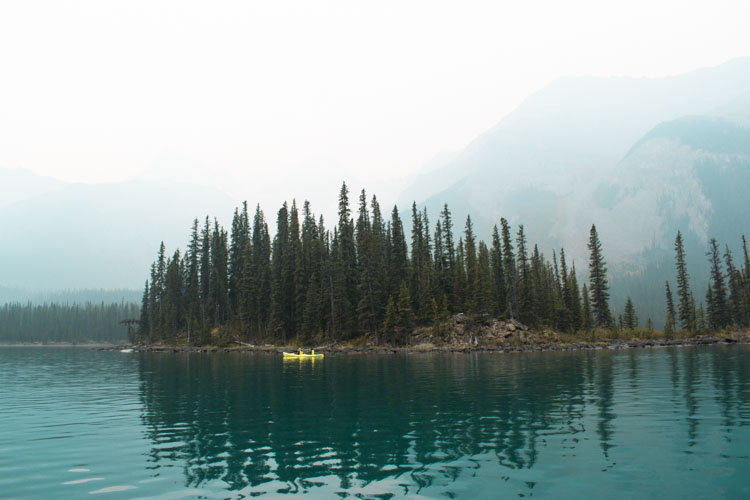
(17,184)
(690,174)
(638,157)
(94,236)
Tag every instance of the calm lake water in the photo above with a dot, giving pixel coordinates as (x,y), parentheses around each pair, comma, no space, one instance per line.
(655,423)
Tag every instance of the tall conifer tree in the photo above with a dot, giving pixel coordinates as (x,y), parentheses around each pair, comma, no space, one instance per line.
(598,282)
(683,285)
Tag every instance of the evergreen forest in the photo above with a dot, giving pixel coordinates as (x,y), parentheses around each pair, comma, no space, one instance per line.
(364,275)
(66,323)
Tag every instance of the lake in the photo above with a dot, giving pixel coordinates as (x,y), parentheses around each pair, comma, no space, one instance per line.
(647,423)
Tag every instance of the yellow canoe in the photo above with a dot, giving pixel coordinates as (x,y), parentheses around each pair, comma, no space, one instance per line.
(302,356)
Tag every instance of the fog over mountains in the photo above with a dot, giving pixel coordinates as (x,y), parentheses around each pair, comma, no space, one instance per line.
(639,157)
(95,236)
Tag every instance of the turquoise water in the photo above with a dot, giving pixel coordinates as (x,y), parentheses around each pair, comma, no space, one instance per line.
(654,423)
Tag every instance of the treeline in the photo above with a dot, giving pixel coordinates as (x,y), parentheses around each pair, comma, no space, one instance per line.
(25,323)
(727,299)
(363,276)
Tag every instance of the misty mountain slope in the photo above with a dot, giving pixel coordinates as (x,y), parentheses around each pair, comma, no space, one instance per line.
(100,235)
(559,141)
(639,158)
(689,174)
(18,184)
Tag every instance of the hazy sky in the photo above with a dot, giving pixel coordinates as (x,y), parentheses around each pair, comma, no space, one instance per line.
(276,99)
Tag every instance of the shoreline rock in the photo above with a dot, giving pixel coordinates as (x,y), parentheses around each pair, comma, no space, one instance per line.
(425,348)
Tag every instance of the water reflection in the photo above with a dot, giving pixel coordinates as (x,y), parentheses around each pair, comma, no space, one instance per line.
(245,420)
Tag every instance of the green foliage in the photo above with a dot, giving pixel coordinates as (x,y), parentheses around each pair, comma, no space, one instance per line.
(598,282)
(686,311)
(670,306)
(629,319)
(719,313)
(361,277)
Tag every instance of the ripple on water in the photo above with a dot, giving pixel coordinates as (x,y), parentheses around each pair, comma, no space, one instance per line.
(112,489)
(466,426)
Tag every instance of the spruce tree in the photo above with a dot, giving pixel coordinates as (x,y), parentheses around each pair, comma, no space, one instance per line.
(500,303)
(470,262)
(670,305)
(405,317)
(587,318)
(668,331)
(449,251)
(261,268)
(390,321)
(398,267)
(565,315)
(483,282)
(525,285)
(598,283)
(720,315)
(509,268)
(346,279)
(734,278)
(144,325)
(683,285)
(205,276)
(192,283)
(629,317)
(575,299)
(745,318)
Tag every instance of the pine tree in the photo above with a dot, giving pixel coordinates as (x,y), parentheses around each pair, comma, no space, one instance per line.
(683,285)
(598,283)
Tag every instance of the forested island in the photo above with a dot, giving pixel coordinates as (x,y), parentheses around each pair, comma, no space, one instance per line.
(362,281)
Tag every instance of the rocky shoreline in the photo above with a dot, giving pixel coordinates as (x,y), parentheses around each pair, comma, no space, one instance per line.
(426,347)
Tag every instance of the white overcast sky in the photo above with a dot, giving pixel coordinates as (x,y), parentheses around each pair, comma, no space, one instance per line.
(269,100)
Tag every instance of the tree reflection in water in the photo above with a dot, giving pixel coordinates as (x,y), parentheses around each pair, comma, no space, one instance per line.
(246,420)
